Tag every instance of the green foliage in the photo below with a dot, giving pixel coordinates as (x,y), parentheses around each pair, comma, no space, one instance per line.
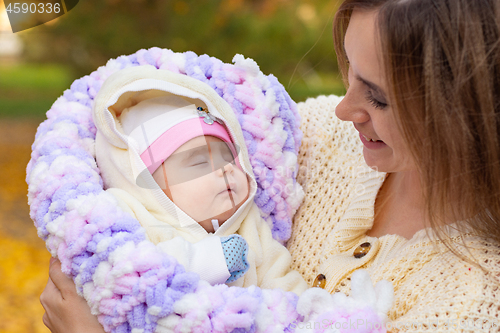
(30,90)
(44,78)
(291,39)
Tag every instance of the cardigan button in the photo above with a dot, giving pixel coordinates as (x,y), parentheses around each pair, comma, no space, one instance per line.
(319,281)
(362,250)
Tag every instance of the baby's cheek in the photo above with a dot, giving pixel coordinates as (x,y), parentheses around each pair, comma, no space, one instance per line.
(186,199)
(247,186)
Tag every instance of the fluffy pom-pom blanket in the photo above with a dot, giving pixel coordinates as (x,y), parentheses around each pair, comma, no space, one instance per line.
(129,284)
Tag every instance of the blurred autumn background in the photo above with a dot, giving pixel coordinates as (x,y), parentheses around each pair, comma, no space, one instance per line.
(289,38)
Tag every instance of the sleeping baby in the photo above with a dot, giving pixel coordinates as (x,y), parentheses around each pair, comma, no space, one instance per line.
(172,153)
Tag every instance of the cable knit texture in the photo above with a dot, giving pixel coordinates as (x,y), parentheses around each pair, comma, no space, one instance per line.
(432,286)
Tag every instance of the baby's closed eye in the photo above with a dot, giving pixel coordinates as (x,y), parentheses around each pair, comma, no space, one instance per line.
(197,160)
(201,163)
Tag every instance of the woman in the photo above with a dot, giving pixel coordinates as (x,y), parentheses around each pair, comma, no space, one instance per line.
(422,111)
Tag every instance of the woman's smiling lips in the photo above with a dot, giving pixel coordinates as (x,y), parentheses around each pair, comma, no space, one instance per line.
(367,141)
(371,144)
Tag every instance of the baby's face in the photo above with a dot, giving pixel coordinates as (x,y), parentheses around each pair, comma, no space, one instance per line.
(193,178)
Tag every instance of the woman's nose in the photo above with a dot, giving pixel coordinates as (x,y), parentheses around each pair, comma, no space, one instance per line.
(352,108)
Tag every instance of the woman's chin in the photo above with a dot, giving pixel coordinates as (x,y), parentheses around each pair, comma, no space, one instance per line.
(387,165)
(376,163)
(388,160)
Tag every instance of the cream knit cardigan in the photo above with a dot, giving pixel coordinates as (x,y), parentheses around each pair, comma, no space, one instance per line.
(434,289)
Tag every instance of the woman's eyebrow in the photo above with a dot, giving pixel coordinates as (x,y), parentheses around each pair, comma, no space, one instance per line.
(371,85)
(376,89)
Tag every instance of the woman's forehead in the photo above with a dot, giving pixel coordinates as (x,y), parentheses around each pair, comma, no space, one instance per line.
(361,29)
(362,48)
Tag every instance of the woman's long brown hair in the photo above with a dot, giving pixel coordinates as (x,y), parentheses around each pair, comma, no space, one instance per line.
(442,63)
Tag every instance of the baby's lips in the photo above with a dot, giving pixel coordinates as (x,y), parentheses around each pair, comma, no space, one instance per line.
(224,190)
(228,184)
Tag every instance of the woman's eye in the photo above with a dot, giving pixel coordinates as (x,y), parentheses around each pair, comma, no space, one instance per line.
(374,102)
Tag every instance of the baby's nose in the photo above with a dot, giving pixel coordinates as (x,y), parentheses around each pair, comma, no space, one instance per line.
(226,168)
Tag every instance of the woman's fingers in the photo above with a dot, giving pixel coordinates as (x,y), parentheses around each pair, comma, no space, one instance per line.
(49,298)
(50,291)
(65,310)
(45,320)
(64,284)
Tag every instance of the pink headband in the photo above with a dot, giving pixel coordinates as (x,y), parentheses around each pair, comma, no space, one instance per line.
(179,134)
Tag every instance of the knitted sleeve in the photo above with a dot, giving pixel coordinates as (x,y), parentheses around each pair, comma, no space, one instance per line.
(325,171)
(318,123)
(448,294)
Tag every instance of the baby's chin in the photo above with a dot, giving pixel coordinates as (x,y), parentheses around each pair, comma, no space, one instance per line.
(225,215)
(221,217)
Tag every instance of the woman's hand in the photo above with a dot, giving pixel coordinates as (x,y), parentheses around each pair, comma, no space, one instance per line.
(65,310)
